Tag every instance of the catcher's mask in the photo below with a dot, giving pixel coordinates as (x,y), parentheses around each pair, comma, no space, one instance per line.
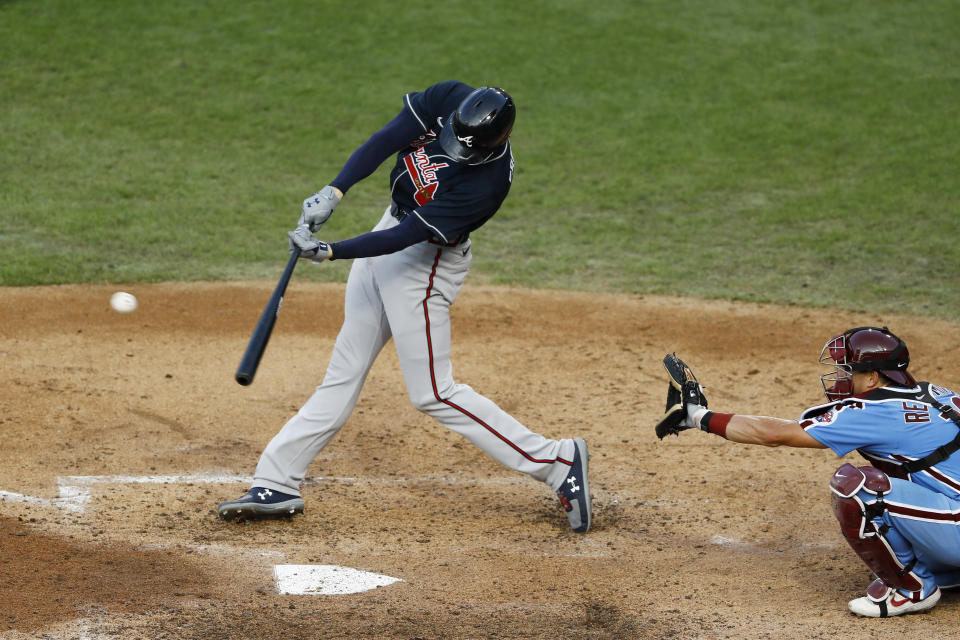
(863,349)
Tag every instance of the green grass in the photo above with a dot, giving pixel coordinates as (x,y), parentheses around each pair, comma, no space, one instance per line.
(790,152)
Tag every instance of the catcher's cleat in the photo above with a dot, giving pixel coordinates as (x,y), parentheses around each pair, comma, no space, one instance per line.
(574,493)
(260,503)
(883,602)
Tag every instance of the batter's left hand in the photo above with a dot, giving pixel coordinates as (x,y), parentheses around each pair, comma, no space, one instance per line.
(302,240)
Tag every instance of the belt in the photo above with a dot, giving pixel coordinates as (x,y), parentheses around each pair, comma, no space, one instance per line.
(400,214)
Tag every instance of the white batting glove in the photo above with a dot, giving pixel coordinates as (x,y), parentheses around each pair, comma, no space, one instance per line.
(317,208)
(309,247)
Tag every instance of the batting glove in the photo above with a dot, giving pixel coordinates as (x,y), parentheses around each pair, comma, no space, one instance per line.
(318,207)
(309,247)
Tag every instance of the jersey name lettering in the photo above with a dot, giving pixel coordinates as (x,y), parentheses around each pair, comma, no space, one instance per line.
(913,413)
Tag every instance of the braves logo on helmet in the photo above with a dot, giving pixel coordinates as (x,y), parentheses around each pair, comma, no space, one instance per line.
(467,140)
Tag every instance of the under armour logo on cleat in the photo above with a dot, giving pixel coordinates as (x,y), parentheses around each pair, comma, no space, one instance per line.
(573,485)
(266,493)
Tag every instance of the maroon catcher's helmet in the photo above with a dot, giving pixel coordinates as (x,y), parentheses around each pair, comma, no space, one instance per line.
(864,349)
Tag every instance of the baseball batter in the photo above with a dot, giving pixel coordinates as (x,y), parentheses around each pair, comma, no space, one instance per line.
(901,513)
(453,169)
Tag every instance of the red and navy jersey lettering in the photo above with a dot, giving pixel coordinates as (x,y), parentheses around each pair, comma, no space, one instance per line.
(449,198)
(422,172)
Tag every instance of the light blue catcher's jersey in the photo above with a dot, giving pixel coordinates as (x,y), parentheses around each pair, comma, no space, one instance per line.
(891,426)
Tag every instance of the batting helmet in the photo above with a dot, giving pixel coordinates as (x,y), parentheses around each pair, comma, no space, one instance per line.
(864,349)
(479,126)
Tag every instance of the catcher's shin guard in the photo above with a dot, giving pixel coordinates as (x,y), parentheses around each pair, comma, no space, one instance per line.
(865,537)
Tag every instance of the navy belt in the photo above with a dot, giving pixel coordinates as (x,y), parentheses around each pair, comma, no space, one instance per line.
(398,212)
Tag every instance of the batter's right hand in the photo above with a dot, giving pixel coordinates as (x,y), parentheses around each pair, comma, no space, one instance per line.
(317,208)
(309,247)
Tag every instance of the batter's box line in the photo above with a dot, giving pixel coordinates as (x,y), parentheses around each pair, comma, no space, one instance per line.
(75,492)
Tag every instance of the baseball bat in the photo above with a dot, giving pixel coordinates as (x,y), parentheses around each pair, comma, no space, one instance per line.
(261,333)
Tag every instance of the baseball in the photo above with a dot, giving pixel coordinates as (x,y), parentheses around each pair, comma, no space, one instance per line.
(123,302)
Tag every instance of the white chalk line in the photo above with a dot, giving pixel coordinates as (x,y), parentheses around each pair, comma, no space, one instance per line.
(742,545)
(74,492)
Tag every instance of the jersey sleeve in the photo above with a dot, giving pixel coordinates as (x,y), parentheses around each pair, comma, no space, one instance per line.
(436,101)
(877,427)
(394,136)
(378,243)
(842,429)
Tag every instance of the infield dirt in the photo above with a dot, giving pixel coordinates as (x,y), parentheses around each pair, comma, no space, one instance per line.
(693,537)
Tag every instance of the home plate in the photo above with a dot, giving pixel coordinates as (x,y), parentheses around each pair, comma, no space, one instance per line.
(326,579)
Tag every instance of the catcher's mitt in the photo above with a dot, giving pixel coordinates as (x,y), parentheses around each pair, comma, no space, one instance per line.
(683,390)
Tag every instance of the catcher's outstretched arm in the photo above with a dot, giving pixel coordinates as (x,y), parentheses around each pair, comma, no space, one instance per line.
(686,408)
(770,432)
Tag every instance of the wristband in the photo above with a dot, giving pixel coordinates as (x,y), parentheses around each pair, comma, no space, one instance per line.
(715,423)
(696,415)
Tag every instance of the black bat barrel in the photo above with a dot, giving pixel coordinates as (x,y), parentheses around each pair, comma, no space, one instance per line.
(261,333)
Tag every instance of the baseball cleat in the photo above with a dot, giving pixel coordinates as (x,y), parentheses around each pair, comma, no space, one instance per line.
(893,603)
(574,493)
(260,503)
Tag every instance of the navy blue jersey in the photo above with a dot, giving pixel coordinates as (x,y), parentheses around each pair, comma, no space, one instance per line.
(450,198)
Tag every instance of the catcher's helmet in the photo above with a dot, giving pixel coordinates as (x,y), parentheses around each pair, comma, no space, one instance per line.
(864,349)
(479,126)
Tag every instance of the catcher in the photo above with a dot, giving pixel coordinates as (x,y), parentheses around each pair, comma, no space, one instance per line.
(900,513)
